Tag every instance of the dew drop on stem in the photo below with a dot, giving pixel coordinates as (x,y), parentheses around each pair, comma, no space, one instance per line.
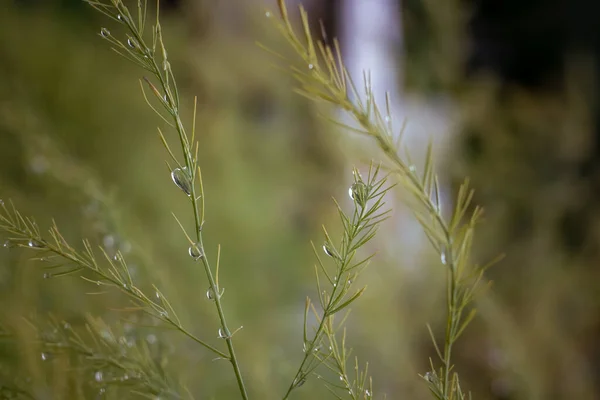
(98,376)
(104,32)
(182,179)
(327,249)
(131,43)
(358,193)
(47,275)
(299,382)
(195,252)
(222,334)
(35,244)
(210,294)
(443,257)
(45,356)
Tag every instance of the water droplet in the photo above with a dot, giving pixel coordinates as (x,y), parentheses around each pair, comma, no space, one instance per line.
(341,378)
(222,334)
(334,284)
(45,356)
(310,66)
(35,244)
(368,393)
(98,283)
(268,14)
(195,252)
(98,376)
(104,32)
(8,244)
(108,241)
(157,294)
(124,378)
(387,118)
(47,275)
(299,382)
(327,249)
(443,257)
(428,377)
(358,193)
(131,43)
(120,17)
(151,338)
(210,294)
(412,168)
(182,179)
(164,314)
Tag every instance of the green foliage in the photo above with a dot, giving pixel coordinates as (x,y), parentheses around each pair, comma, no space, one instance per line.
(116,361)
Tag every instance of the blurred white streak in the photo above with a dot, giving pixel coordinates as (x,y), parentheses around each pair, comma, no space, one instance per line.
(371,37)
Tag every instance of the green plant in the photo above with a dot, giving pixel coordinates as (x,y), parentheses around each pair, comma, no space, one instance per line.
(325,79)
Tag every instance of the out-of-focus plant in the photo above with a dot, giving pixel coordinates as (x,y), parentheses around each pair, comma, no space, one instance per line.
(326,79)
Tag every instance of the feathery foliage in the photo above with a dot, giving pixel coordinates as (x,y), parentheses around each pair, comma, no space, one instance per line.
(125,363)
(326,79)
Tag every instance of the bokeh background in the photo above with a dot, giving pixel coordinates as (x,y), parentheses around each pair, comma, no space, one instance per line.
(508,92)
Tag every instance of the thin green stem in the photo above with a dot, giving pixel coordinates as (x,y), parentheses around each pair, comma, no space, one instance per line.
(171,104)
(453,315)
(333,299)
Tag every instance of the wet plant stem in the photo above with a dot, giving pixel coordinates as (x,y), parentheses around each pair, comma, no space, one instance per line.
(327,311)
(191,164)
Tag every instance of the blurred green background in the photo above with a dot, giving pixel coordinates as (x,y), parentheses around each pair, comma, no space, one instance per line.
(79,145)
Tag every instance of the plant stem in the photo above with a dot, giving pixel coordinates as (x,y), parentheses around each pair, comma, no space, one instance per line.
(190,163)
(330,304)
(453,315)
